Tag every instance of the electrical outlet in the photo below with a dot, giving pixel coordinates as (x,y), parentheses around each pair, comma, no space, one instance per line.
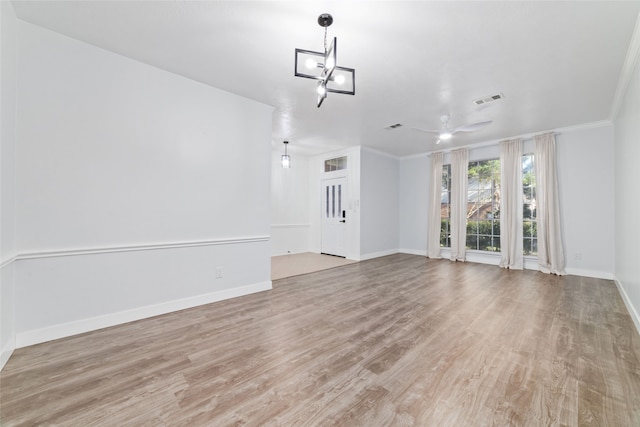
(218,272)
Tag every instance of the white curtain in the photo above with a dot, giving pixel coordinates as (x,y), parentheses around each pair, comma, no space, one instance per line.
(550,251)
(459,172)
(433,226)
(511,205)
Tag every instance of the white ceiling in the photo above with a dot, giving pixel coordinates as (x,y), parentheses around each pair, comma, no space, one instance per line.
(556,63)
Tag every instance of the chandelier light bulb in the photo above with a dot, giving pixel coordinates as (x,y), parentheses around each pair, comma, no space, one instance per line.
(310,63)
(339,79)
(330,63)
(321,90)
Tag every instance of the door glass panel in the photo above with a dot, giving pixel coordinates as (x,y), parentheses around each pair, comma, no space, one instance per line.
(333,201)
(339,200)
(327,199)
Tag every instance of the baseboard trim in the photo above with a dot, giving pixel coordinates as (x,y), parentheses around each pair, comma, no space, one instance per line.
(36,336)
(627,302)
(373,255)
(491,258)
(412,252)
(5,355)
(530,263)
(590,273)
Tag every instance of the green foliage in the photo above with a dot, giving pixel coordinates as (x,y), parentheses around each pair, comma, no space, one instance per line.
(483,188)
(529,229)
(486,169)
(530,246)
(445,240)
(483,206)
(529,179)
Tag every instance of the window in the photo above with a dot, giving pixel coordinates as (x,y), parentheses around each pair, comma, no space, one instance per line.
(483,206)
(529,224)
(445,208)
(337,164)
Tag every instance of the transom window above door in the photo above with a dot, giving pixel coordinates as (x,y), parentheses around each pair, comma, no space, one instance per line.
(337,164)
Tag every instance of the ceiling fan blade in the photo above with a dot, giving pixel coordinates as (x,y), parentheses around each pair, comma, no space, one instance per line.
(472,127)
(427,130)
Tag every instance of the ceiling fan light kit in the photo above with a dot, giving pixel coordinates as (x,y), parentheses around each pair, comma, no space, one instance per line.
(322,67)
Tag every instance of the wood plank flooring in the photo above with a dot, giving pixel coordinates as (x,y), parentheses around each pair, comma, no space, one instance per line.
(394,341)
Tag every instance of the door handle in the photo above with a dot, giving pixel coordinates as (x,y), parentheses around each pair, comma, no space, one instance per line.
(343,220)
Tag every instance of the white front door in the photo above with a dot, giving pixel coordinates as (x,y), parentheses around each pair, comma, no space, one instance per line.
(334,209)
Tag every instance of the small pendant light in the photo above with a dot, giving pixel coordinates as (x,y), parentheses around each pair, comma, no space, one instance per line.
(285,159)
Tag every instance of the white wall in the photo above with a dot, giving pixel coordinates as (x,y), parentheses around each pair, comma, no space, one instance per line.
(115,152)
(379,204)
(8,38)
(586,180)
(133,186)
(627,202)
(585,168)
(414,184)
(290,208)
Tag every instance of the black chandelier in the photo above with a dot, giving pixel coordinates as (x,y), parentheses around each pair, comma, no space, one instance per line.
(322,66)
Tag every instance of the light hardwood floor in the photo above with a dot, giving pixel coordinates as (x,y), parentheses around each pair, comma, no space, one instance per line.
(395,341)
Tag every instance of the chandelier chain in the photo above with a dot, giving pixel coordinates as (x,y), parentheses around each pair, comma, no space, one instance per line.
(325,40)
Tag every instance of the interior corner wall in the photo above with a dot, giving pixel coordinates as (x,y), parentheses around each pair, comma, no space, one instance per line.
(290,208)
(627,202)
(138,191)
(379,204)
(414,184)
(8,61)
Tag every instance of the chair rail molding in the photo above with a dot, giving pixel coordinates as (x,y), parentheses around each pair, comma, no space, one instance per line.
(140,247)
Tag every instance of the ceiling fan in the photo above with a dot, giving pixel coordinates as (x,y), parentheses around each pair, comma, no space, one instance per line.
(446,132)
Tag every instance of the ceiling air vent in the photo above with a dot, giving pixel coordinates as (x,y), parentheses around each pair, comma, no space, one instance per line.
(487,99)
(394,126)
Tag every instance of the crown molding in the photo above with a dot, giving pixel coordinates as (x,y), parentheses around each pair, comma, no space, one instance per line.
(633,53)
(558,131)
(376,151)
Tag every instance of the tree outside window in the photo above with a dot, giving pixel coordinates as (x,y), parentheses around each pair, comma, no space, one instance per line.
(445,207)
(483,206)
(529,224)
